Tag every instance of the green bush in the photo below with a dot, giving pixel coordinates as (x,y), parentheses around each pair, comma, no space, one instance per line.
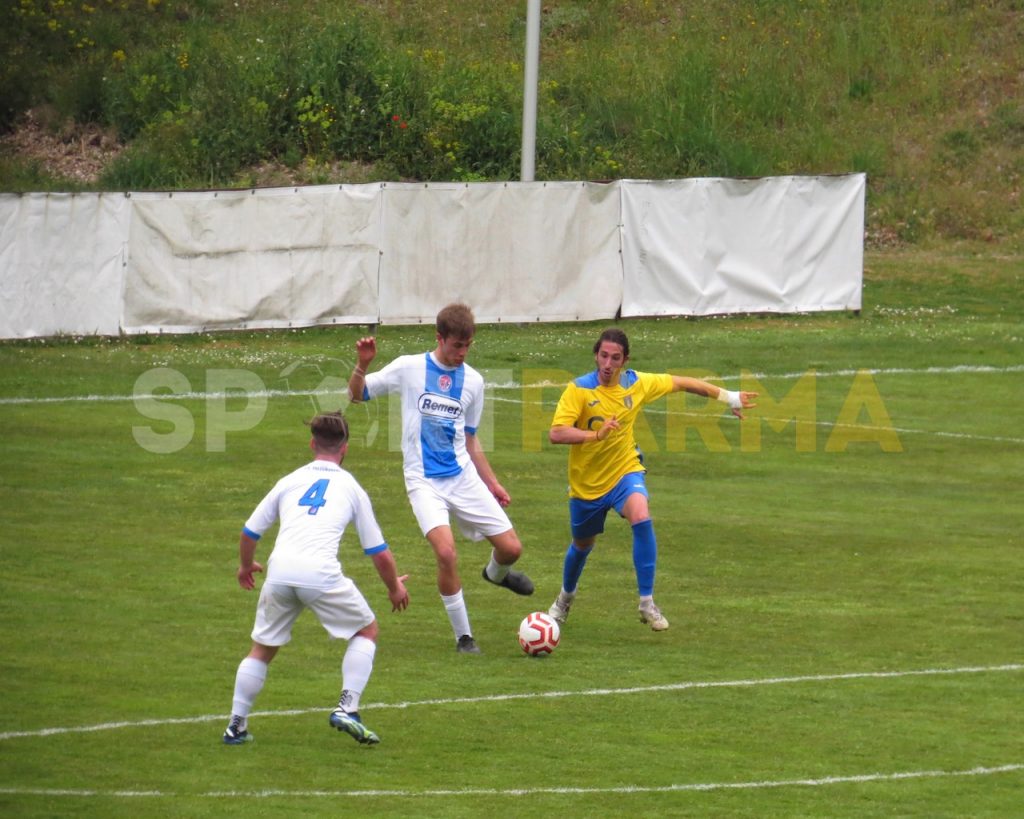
(164,157)
(471,128)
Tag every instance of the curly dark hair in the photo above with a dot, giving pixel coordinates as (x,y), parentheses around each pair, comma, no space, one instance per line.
(616,336)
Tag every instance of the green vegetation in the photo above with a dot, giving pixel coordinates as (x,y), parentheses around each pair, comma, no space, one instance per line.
(925,97)
(119,602)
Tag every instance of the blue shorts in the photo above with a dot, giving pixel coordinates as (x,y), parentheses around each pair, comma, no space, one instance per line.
(586,517)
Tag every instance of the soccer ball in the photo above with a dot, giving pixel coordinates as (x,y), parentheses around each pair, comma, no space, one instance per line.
(538,634)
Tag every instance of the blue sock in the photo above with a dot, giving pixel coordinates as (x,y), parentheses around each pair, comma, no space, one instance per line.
(575,560)
(645,556)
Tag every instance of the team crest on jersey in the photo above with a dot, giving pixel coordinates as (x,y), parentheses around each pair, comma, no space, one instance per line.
(628,401)
(444,382)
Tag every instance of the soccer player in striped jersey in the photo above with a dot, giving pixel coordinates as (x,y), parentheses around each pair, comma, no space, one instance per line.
(446,472)
(595,418)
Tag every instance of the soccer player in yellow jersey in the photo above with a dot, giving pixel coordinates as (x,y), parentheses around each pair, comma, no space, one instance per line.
(595,417)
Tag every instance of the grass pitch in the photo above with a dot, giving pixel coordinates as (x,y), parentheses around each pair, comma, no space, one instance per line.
(843,574)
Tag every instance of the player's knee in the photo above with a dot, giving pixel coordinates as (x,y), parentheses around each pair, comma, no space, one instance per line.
(370,632)
(447,558)
(508,549)
(514,551)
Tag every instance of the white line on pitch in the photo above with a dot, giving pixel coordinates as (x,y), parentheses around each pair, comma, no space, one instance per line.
(956,369)
(197,395)
(970,436)
(266,793)
(588,692)
(203,396)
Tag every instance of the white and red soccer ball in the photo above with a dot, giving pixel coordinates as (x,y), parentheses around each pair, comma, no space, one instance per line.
(538,634)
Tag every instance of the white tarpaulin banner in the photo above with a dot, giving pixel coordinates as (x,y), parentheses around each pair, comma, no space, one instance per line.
(541,251)
(269,258)
(779,244)
(394,253)
(61,263)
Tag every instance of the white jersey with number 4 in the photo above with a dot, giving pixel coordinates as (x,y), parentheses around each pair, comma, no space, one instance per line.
(315,504)
(439,406)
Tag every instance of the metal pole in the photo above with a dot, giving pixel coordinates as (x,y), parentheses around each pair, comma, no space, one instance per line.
(530,72)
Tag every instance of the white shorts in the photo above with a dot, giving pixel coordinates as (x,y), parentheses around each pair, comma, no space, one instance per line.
(464,497)
(342,611)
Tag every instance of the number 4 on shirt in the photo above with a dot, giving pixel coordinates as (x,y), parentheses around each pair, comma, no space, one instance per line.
(314,497)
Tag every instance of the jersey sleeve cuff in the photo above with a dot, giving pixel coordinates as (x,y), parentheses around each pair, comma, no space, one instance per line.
(250,533)
(376,549)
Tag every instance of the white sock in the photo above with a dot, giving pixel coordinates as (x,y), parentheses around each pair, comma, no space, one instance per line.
(458,616)
(495,571)
(356,667)
(249,679)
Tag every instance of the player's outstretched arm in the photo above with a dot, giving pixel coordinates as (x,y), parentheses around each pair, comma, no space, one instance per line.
(366,351)
(737,400)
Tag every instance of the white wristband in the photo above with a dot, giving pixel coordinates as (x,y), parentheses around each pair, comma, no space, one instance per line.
(731,398)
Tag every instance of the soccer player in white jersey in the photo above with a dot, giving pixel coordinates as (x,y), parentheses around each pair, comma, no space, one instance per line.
(595,417)
(446,472)
(314,504)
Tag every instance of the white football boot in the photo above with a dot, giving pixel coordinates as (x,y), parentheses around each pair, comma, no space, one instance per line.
(559,611)
(651,615)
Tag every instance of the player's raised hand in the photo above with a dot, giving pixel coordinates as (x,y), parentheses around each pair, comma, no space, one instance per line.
(366,350)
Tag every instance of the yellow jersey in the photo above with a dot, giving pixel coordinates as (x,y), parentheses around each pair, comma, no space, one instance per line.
(596,466)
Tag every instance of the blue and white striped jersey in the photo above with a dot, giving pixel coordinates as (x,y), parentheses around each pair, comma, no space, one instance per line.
(439,406)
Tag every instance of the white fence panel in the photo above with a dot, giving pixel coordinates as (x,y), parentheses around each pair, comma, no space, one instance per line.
(268,258)
(707,246)
(61,263)
(541,251)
